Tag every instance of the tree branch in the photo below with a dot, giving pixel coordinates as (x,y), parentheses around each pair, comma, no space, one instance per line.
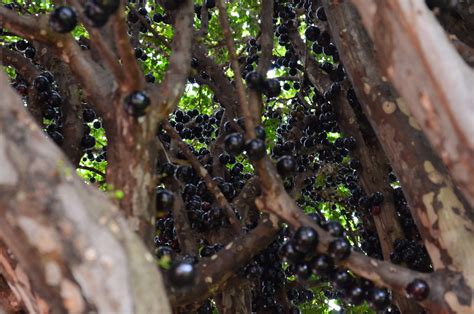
(211,185)
(214,272)
(244,104)
(412,47)
(71,240)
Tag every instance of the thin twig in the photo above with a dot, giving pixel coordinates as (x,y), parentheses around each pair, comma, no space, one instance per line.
(134,78)
(92,169)
(244,105)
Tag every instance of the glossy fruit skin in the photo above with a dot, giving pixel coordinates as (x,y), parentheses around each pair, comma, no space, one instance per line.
(255,81)
(272,88)
(88,115)
(164,200)
(136,103)
(30,52)
(286,166)
(88,141)
(303,271)
(306,239)
(21,45)
(356,295)
(321,14)
(41,83)
(339,249)
(341,279)
(182,274)
(234,144)
(323,265)
(290,254)
(63,19)
(256,149)
(379,299)
(334,228)
(312,33)
(418,289)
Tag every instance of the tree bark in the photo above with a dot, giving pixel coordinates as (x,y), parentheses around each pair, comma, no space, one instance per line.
(71,241)
(441,213)
(412,47)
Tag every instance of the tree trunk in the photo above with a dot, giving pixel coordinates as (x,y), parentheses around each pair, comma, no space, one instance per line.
(71,241)
(412,47)
(442,216)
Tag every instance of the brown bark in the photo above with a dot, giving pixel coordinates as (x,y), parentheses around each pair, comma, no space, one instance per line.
(374,173)
(412,47)
(441,213)
(73,244)
(71,107)
(216,271)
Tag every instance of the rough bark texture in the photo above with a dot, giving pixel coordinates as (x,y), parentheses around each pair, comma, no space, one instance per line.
(443,217)
(412,47)
(71,241)
(72,250)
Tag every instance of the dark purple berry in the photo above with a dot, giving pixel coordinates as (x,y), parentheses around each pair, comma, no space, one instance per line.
(136,103)
(255,149)
(379,299)
(286,166)
(234,144)
(305,239)
(339,249)
(63,19)
(164,201)
(182,274)
(418,289)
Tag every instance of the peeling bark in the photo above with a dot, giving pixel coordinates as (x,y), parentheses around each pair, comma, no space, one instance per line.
(442,216)
(412,47)
(72,242)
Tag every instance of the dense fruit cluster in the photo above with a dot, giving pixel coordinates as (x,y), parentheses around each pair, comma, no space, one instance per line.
(299,132)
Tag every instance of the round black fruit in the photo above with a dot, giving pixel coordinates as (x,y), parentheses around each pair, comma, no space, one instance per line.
(182,274)
(88,141)
(136,103)
(418,289)
(306,239)
(272,88)
(339,249)
(286,166)
(312,33)
(255,81)
(41,83)
(234,144)
(379,299)
(356,295)
(290,254)
(255,149)
(63,19)
(164,200)
(323,265)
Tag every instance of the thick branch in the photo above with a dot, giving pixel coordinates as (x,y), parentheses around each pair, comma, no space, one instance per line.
(71,241)
(412,47)
(243,101)
(179,64)
(215,271)
(441,214)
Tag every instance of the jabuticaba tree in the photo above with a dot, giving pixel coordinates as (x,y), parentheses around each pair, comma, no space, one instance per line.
(264,156)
